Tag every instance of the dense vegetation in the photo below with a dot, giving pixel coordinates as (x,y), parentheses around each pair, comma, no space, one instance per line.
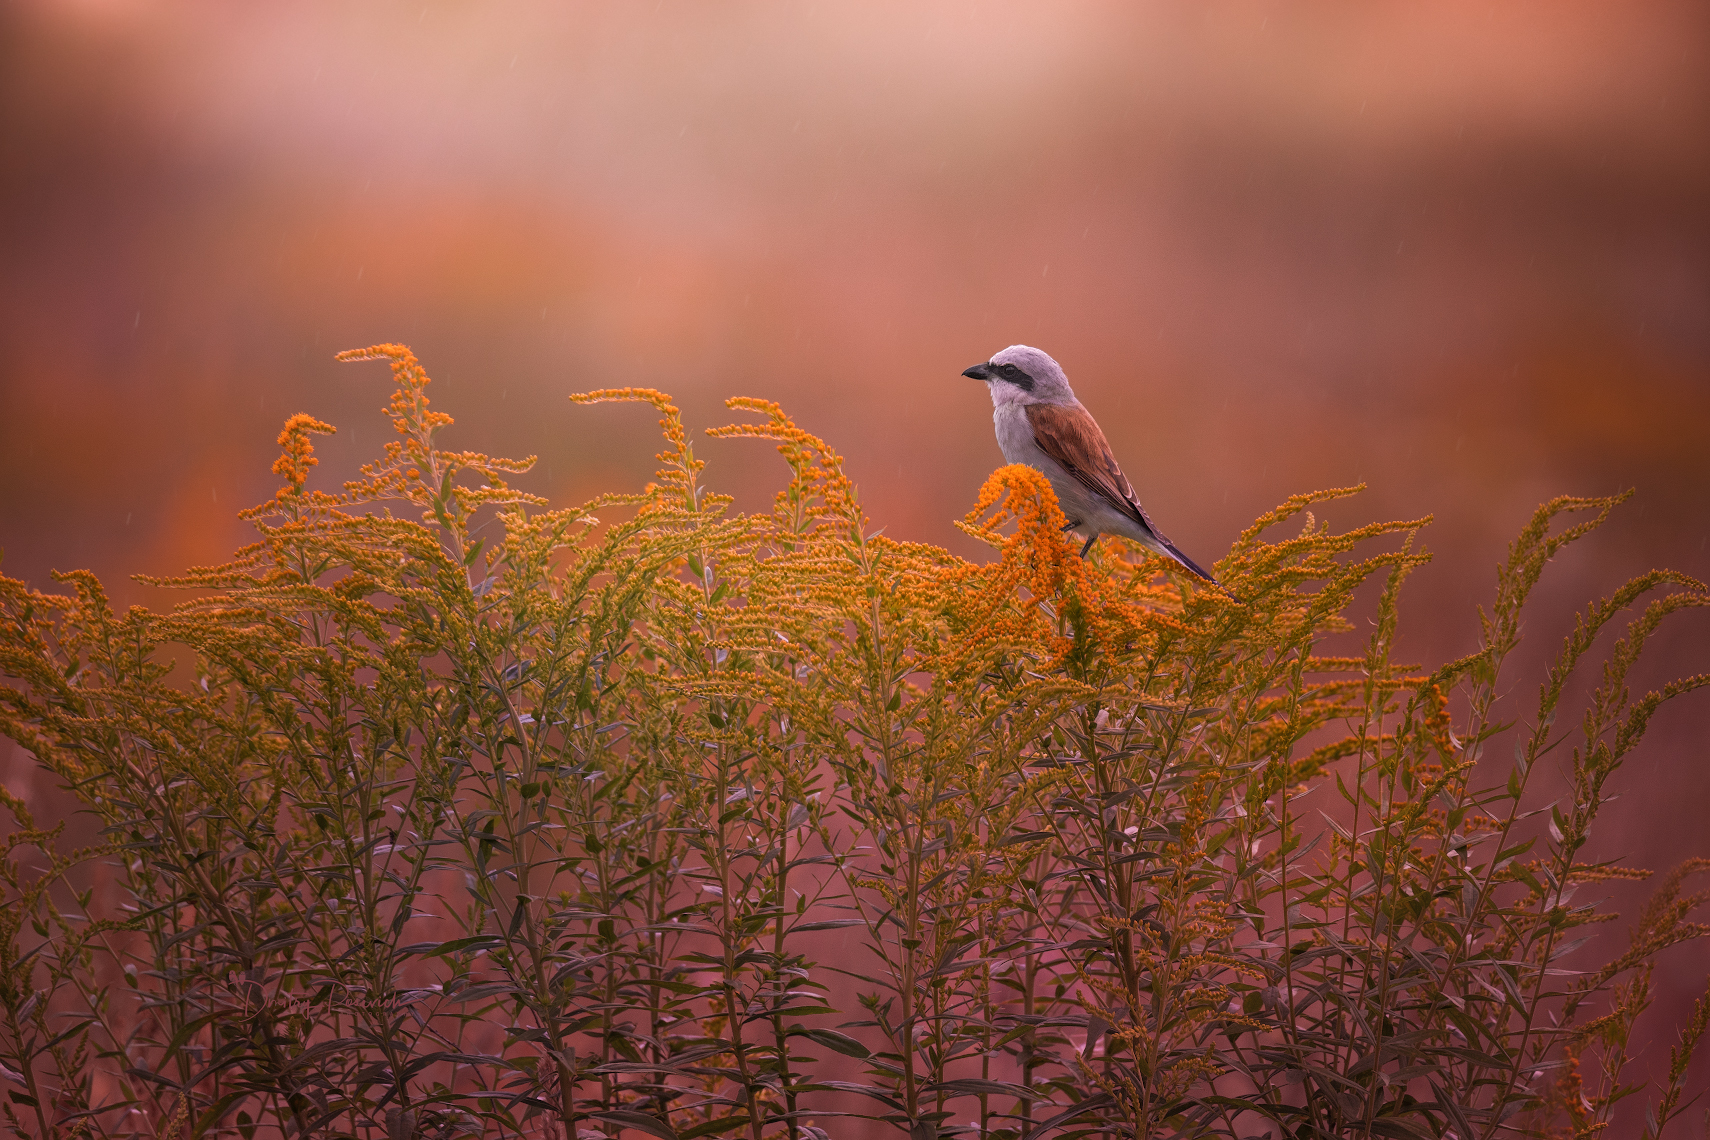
(648,818)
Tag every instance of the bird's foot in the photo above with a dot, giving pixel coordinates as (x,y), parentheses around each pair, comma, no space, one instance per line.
(1087,549)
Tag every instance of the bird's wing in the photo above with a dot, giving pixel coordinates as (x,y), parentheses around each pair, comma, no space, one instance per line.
(1072,437)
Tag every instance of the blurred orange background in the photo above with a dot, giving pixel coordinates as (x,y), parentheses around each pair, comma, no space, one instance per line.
(1460,252)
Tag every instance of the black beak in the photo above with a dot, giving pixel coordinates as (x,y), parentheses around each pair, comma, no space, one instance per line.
(978,372)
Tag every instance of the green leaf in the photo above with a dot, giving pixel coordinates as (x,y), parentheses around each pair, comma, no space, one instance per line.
(437,949)
(713,1127)
(1400,1128)
(826,924)
(832,1039)
(851,1087)
(216,1110)
(976,1086)
(639,1121)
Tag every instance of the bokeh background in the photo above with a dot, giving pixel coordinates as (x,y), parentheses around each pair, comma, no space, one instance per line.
(1459,252)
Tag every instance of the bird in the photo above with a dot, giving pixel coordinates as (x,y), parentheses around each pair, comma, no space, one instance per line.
(1041,424)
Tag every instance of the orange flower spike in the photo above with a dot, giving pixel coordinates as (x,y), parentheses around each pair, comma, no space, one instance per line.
(1437,721)
(1035,556)
(819,494)
(681,467)
(409,407)
(298,452)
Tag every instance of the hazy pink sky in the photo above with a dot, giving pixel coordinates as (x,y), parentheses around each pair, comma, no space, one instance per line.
(1459,251)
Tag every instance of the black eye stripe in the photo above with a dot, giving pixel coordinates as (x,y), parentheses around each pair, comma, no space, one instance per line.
(1014,375)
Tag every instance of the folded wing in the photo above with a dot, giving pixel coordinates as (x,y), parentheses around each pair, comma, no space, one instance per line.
(1072,437)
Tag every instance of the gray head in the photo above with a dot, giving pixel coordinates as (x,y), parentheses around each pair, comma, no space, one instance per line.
(1023,375)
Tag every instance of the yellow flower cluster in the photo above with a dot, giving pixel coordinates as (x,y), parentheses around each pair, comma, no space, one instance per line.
(298,452)
(1055,809)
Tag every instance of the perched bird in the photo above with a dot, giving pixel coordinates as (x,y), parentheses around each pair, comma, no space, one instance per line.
(1040,423)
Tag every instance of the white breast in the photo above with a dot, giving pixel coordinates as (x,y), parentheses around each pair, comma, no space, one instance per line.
(1091,511)
(1015,437)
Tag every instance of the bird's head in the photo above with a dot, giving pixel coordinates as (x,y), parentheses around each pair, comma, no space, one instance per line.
(1023,375)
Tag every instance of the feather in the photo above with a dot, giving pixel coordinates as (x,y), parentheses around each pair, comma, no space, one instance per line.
(1069,435)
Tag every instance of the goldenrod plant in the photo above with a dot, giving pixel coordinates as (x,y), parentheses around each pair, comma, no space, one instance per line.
(441,812)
